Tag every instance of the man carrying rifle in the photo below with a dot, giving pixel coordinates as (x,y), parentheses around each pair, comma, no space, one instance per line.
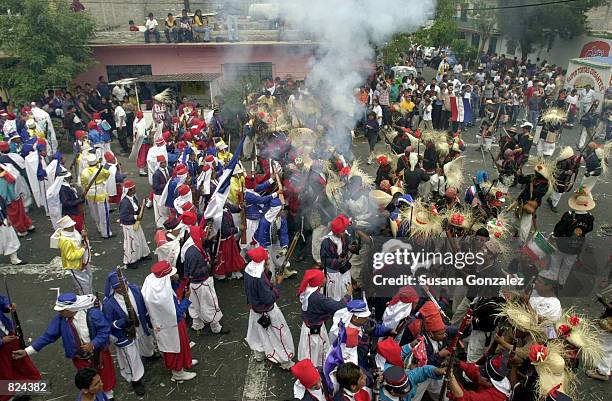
(125,310)
(493,385)
(10,340)
(93,179)
(135,245)
(228,260)
(85,335)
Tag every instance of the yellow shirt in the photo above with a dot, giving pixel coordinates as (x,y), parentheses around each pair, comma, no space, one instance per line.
(72,255)
(407,105)
(236,185)
(97,192)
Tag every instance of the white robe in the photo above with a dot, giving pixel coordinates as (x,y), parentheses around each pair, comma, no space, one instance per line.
(140,133)
(152,164)
(53,200)
(39,188)
(111,183)
(276,342)
(9,242)
(43,120)
(135,245)
(204,308)
(159,299)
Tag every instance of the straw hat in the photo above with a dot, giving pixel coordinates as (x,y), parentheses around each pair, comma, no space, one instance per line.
(580,332)
(521,317)
(426,222)
(581,201)
(554,115)
(380,198)
(566,153)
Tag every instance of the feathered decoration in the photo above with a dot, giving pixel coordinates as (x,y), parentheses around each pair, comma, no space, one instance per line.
(356,170)
(164,96)
(498,227)
(521,317)
(392,159)
(546,167)
(426,222)
(434,136)
(583,334)
(333,189)
(553,372)
(453,171)
(554,116)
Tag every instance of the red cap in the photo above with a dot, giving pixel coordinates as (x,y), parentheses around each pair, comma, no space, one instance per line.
(312,278)
(96,116)
(250,182)
(129,184)
(109,157)
(92,124)
(187,137)
(205,167)
(391,351)
(161,268)
(258,254)
(194,131)
(166,135)
(338,225)
(180,169)
(80,134)
(160,158)
(4,146)
(187,206)
(181,145)
(383,160)
(183,189)
(209,159)
(433,319)
(160,141)
(189,217)
(139,114)
(306,373)
(11,116)
(406,295)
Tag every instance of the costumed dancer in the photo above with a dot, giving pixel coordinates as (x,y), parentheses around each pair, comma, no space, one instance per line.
(492,381)
(228,260)
(268,334)
(169,194)
(135,245)
(535,188)
(85,337)
(335,259)
(596,166)
(158,182)
(15,210)
(75,253)
(316,309)
(72,202)
(114,184)
(204,308)
(130,329)
(36,164)
(255,205)
(97,197)
(308,386)
(167,316)
(566,168)
(53,195)
(10,369)
(140,145)
(159,149)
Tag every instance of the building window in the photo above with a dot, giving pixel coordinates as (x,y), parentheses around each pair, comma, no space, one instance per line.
(252,72)
(476,40)
(511,46)
(117,72)
(493,44)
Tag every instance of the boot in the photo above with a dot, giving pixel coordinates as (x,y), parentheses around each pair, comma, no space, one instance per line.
(15,260)
(149,203)
(182,375)
(142,173)
(138,387)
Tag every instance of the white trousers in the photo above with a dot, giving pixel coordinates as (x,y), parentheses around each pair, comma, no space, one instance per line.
(9,241)
(204,308)
(251,227)
(561,264)
(82,280)
(545,148)
(476,345)
(605,366)
(555,197)
(160,211)
(525,227)
(130,363)
(589,182)
(276,341)
(313,346)
(433,387)
(99,212)
(336,284)
(135,245)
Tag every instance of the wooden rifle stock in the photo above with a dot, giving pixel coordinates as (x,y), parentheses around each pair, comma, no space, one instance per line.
(15,319)
(140,213)
(243,222)
(453,351)
(131,312)
(93,180)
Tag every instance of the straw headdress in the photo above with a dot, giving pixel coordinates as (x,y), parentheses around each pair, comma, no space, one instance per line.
(521,317)
(453,171)
(356,170)
(164,96)
(426,222)
(549,363)
(581,332)
(555,116)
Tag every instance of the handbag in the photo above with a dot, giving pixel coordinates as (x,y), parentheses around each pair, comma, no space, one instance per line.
(531,205)
(264,321)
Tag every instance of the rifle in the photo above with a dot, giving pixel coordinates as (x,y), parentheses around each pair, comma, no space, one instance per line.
(279,183)
(492,348)
(289,253)
(131,312)
(140,213)
(15,319)
(96,360)
(93,180)
(432,299)
(453,351)
(243,222)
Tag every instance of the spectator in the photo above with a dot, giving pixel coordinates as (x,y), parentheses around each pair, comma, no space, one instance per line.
(200,26)
(72,122)
(77,6)
(120,122)
(119,92)
(102,87)
(133,26)
(171,29)
(151,29)
(185,32)
(426,122)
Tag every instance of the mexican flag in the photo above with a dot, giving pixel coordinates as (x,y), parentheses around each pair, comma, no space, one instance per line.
(538,248)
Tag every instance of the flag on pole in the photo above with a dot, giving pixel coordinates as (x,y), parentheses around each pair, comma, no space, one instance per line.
(214,209)
(457,109)
(538,248)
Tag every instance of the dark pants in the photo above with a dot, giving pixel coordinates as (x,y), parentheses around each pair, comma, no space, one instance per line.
(185,35)
(122,137)
(386,110)
(436,116)
(148,35)
(444,117)
(171,35)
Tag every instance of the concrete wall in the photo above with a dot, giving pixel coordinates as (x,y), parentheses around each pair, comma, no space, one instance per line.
(173,59)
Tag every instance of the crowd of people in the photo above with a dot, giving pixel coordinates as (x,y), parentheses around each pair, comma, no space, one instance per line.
(287,191)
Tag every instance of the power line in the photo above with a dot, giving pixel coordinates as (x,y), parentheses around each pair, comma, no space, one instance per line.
(519,5)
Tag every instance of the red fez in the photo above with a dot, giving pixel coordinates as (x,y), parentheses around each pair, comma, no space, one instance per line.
(189,217)
(250,182)
(183,189)
(92,124)
(160,141)
(406,295)
(80,134)
(312,278)
(4,146)
(166,135)
(338,225)
(161,268)
(96,116)
(139,114)
(11,116)
(181,169)
(258,254)
(383,160)
(391,351)
(433,319)
(209,159)
(109,157)
(187,206)
(129,184)
(306,373)
(160,158)
(181,145)
(187,137)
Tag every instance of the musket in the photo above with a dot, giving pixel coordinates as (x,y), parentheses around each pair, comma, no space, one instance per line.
(492,348)
(131,312)
(289,253)
(15,318)
(243,222)
(453,351)
(279,183)
(432,299)
(93,180)
(140,213)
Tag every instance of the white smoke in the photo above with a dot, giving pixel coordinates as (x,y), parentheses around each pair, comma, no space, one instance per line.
(345,31)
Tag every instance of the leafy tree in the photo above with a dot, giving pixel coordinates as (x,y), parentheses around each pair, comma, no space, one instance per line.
(534,27)
(47,45)
(397,45)
(463,50)
(485,20)
(444,28)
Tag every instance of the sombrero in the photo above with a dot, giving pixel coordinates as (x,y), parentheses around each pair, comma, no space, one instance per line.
(521,317)
(425,220)
(580,332)
(581,201)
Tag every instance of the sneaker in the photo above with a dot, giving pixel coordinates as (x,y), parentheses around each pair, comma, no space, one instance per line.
(287,365)
(194,362)
(237,275)
(182,376)
(22,234)
(31,228)
(594,374)
(191,344)
(138,387)
(222,332)
(149,204)
(369,161)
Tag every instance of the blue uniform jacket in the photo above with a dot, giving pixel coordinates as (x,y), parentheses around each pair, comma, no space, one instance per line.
(330,258)
(172,185)
(7,322)
(126,211)
(321,308)
(117,317)
(263,234)
(260,292)
(255,203)
(195,266)
(95,137)
(158,182)
(99,332)
(70,201)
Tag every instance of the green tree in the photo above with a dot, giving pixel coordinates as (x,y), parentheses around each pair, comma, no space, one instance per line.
(535,27)
(444,29)
(463,50)
(485,20)
(46,45)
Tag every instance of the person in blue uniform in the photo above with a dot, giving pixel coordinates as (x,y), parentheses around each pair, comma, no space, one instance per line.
(135,245)
(159,180)
(85,337)
(335,259)
(131,334)
(255,204)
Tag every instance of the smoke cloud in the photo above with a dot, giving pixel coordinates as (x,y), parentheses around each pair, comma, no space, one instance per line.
(346,31)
